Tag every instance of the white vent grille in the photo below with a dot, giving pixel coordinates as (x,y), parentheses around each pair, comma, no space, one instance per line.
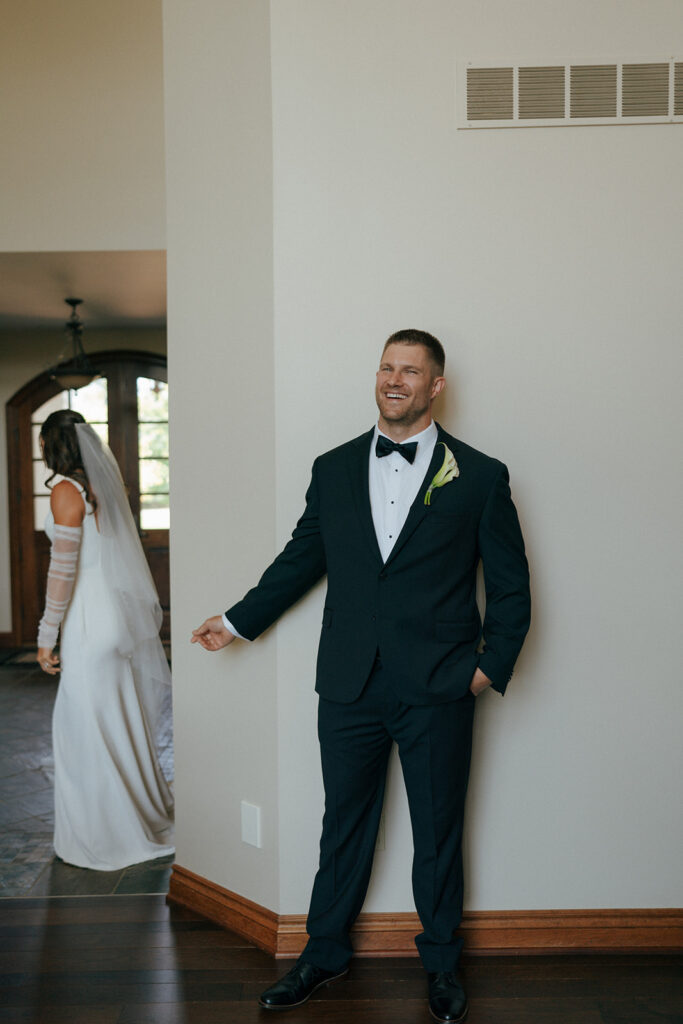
(645,90)
(489,94)
(593,90)
(678,90)
(541,92)
(515,95)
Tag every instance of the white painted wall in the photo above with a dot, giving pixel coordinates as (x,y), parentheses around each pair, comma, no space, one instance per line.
(546,260)
(81,116)
(24,355)
(548,263)
(222,393)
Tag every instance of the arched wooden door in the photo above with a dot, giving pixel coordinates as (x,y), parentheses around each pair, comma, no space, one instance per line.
(128,406)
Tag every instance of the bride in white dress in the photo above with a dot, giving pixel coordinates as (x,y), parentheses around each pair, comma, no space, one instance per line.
(113,806)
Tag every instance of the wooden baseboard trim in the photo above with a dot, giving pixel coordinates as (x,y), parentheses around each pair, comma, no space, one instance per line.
(250,920)
(486,933)
(654,930)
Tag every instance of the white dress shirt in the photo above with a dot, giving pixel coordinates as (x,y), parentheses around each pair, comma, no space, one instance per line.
(394,483)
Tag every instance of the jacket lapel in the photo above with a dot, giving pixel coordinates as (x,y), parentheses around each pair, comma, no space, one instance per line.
(359,457)
(418,510)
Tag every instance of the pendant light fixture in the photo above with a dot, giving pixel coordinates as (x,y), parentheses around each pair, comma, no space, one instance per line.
(77,371)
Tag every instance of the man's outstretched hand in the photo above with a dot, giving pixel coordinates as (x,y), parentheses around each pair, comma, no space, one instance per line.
(212,634)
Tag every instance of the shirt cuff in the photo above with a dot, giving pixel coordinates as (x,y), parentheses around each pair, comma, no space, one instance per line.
(228,625)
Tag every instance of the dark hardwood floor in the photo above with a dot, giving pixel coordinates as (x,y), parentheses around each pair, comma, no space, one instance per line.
(79,948)
(134,960)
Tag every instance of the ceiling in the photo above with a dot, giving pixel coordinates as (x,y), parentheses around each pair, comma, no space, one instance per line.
(119,289)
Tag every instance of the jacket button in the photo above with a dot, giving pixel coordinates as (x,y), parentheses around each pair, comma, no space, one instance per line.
(373,618)
(383,575)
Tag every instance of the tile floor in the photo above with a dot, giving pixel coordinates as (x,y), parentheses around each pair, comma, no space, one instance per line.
(28,866)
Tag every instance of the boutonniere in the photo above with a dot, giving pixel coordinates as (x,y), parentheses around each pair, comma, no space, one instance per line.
(449,470)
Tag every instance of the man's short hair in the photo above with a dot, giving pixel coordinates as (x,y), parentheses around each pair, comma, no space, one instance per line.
(428,341)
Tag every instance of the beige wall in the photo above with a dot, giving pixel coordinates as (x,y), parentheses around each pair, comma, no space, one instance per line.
(81,117)
(220,310)
(23,356)
(546,259)
(319,197)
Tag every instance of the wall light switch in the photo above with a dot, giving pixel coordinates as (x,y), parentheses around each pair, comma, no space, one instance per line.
(251,824)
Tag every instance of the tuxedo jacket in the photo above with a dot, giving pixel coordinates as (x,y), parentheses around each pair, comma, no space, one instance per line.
(418,609)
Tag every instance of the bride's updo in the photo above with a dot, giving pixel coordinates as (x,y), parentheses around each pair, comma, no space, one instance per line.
(61,451)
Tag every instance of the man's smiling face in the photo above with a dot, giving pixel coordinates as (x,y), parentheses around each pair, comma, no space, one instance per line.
(407,382)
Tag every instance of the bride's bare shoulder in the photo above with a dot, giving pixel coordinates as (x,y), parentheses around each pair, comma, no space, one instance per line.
(66,502)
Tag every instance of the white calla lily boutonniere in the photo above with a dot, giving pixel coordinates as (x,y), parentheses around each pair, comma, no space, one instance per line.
(449,470)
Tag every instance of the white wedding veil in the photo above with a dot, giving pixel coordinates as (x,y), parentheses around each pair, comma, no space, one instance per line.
(135,602)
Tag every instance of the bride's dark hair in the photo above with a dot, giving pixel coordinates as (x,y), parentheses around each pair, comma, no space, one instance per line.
(61,451)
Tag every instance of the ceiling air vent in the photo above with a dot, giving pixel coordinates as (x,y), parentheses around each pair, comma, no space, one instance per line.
(510,94)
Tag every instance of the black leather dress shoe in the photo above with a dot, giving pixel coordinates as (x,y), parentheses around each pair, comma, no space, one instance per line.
(447,999)
(297,986)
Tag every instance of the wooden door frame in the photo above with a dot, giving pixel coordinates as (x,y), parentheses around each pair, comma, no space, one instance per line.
(20,481)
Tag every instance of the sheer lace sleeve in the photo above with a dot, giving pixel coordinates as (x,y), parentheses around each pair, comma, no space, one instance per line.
(60,581)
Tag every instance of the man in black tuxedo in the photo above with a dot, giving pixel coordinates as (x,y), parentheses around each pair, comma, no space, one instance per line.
(398,518)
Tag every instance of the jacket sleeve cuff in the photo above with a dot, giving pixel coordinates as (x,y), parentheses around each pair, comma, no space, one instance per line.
(228,625)
(495,670)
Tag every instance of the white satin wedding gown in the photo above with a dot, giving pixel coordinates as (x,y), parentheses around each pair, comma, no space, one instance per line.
(113,806)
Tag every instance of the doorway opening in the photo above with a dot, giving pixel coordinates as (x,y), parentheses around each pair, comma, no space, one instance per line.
(128,406)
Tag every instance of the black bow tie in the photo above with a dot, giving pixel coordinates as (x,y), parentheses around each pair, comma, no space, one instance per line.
(385,447)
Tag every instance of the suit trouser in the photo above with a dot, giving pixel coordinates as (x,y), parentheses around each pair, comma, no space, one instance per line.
(434,745)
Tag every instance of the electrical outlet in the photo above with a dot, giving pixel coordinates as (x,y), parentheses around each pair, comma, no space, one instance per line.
(251,824)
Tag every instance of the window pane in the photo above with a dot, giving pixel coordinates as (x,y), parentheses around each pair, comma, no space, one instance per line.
(60,401)
(152,399)
(102,429)
(153,439)
(91,401)
(35,443)
(153,453)
(153,475)
(41,507)
(40,475)
(154,514)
